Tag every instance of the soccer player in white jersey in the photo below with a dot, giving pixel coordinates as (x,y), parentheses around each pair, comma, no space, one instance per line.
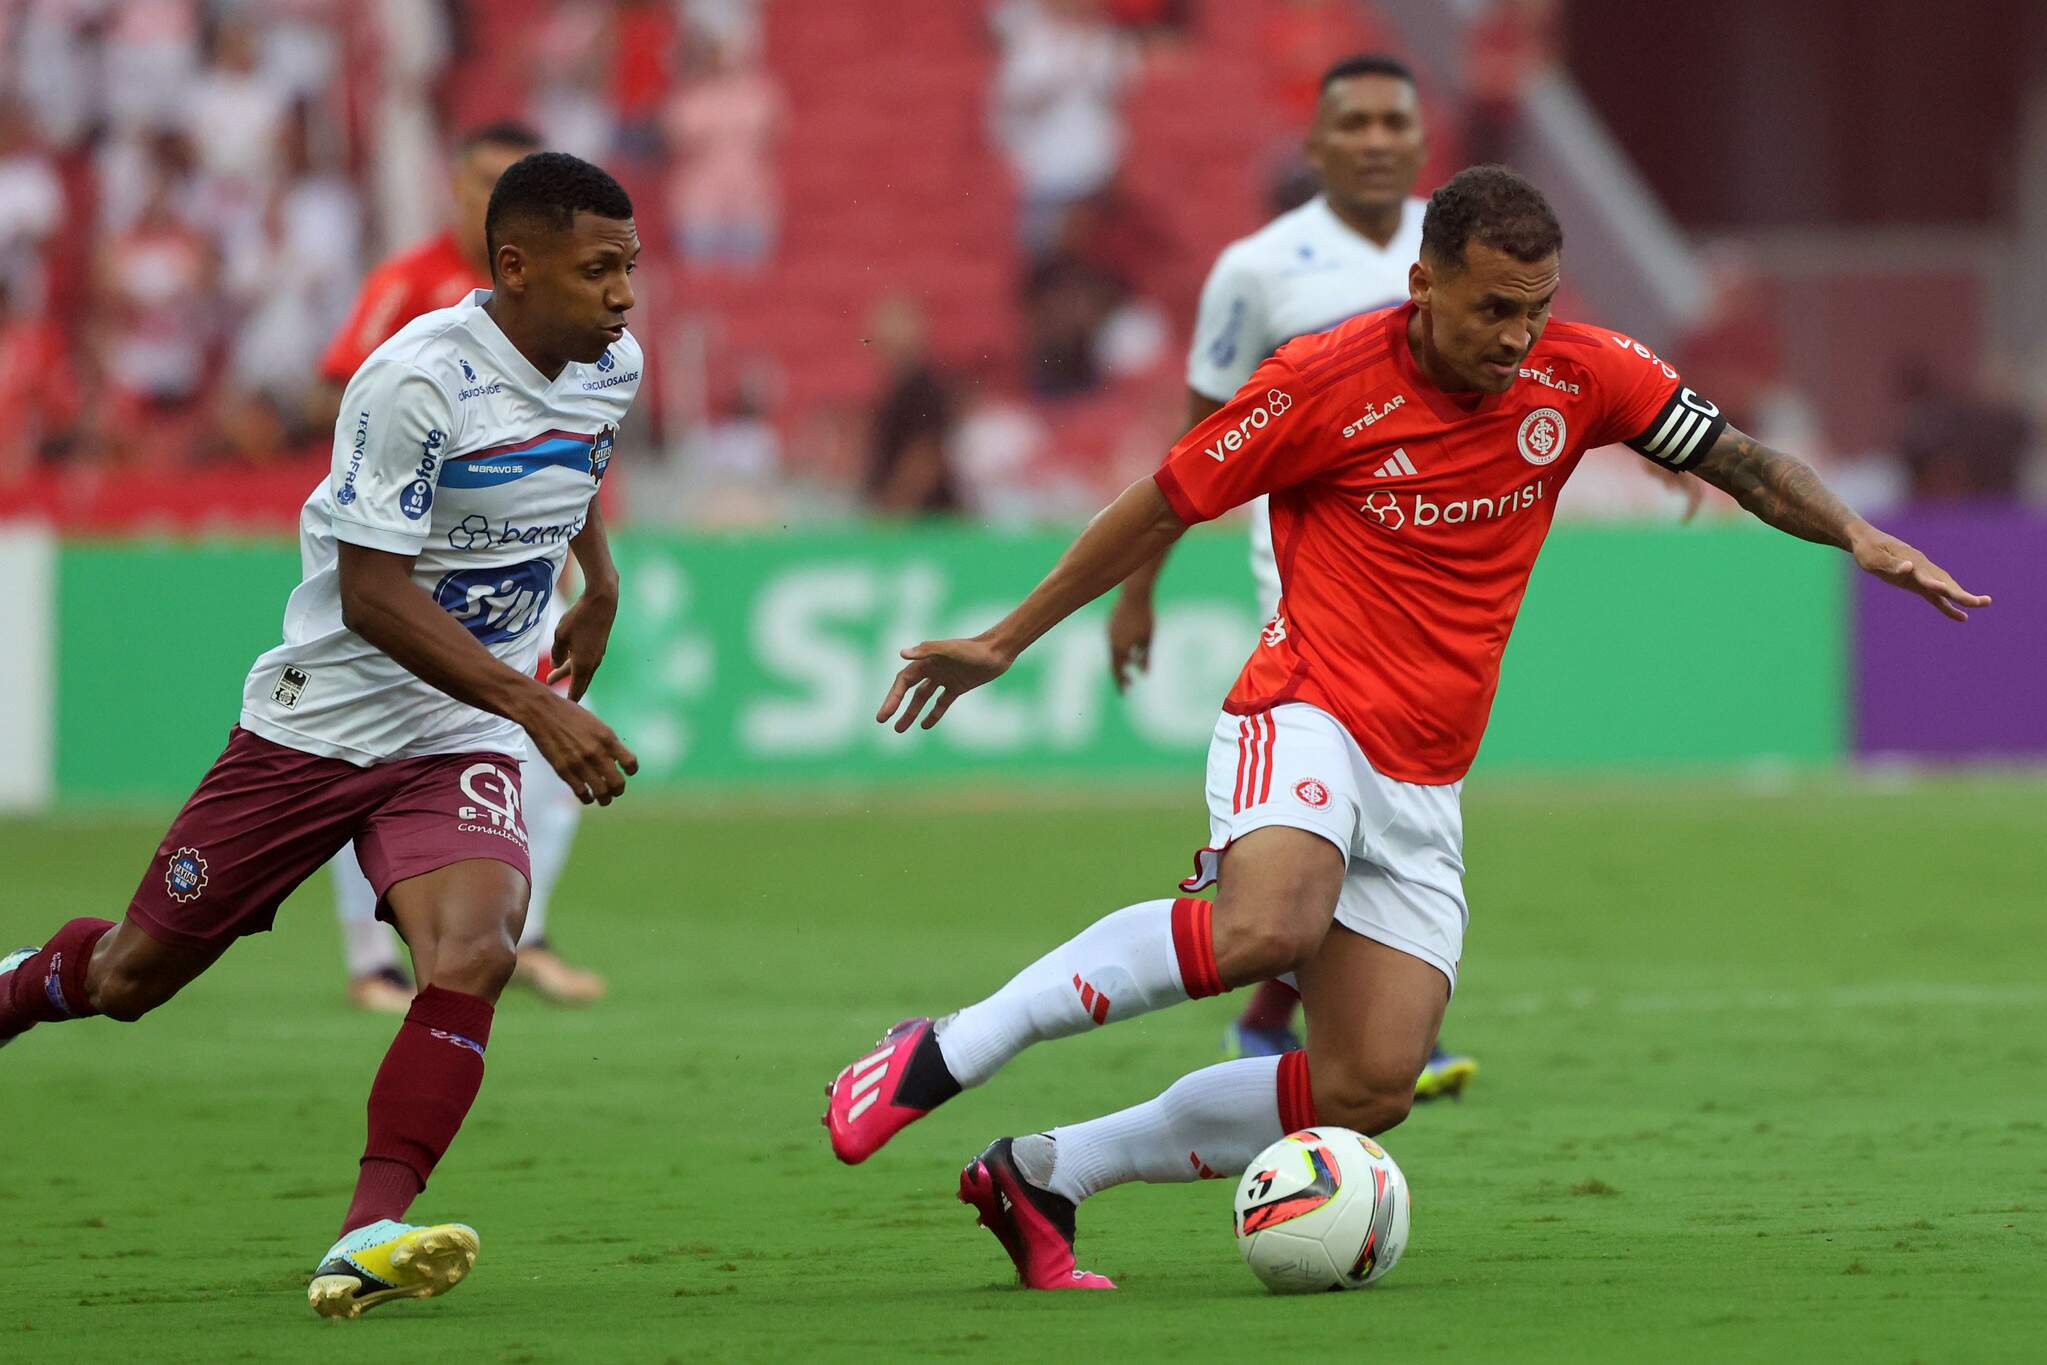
(1344,252)
(396,713)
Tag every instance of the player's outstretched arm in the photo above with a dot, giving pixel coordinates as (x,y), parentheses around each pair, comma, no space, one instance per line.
(381,603)
(1132,619)
(585,629)
(1136,528)
(1784,492)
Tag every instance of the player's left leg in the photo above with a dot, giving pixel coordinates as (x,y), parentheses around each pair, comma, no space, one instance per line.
(447,852)
(552,815)
(461,922)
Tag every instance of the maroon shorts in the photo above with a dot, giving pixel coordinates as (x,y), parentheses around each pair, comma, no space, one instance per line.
(265,818)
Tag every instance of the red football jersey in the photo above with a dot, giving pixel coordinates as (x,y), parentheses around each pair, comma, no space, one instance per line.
(434,274)
(1406,519)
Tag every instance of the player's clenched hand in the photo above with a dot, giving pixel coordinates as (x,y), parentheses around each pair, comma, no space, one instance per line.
(583,749)
(940,670)
(580,641)
(1901,566)
(1130,626)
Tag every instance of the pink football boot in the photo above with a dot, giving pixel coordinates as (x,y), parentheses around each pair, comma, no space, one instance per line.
(900,1081)
(1034,1226)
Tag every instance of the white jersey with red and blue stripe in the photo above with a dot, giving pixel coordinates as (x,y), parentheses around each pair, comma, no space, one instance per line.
(451,448)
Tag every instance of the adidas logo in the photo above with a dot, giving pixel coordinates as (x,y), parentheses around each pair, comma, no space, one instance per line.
(1395,467)
(1092,1000)
(867,1077)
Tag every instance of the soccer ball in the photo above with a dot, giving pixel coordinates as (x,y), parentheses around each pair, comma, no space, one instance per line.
(1324,1208)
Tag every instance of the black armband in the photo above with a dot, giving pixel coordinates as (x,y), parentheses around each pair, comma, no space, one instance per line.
(1682,431)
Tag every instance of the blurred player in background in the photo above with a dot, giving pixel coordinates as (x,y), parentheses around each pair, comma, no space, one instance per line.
(439,273)
(397,711)
(1344,252)
(1335,775)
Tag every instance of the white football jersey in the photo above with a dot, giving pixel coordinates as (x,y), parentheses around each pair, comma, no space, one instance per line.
(1303,272)
(450,447)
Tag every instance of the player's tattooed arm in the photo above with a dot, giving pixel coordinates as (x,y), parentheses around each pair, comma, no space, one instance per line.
(1778,489)
(1784,492)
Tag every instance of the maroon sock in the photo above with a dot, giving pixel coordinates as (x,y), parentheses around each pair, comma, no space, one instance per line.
(51,985)
(1271,1006)
(421,1095)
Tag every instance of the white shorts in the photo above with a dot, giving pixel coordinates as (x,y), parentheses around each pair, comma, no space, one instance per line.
(1295,765)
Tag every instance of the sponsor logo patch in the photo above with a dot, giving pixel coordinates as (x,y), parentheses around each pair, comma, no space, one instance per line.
(493,804)
(1373,414)
(497,604)
(291,685)
(185,876)
(346,493)
(1277,401)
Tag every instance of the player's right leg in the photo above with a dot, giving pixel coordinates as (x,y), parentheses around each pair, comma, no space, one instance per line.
(230,857)
(1146,956)
(1139,959)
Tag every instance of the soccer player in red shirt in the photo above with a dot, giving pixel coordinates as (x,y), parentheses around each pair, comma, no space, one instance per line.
(1413,458)
(438,272)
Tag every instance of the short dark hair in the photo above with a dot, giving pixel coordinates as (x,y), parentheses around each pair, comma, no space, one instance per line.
(551,188)
(503,133)
(1494,207)
(1367,64)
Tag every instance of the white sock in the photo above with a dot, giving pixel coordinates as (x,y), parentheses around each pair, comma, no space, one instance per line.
(367,943)
(552,814)
(1117,967)
(1210,1122)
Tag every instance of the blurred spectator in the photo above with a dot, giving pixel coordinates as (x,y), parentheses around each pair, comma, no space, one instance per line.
(295,280)
(1084,321)
(1152,19)
(1297,42)
(724,195)
(569,68)
(1512,43)
(909,470)
(156,284)
(39,391)
(31,202)
(1956,444)
(732,26)
(437,273)
(150,58)
(1055,108)
(643,43)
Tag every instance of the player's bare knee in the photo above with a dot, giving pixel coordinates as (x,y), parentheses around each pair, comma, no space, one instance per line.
(1256,947)
(477,955)
(125,996)
(1369,1104)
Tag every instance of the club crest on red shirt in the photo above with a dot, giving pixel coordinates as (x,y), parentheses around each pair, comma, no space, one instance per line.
(1541,437)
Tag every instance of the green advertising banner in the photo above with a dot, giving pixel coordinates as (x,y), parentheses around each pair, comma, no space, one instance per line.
(756,661)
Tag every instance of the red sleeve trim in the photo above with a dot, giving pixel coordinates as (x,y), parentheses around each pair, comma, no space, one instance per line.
(1176,496)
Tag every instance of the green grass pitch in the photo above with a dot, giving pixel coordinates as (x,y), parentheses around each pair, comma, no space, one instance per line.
(1762,1080)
